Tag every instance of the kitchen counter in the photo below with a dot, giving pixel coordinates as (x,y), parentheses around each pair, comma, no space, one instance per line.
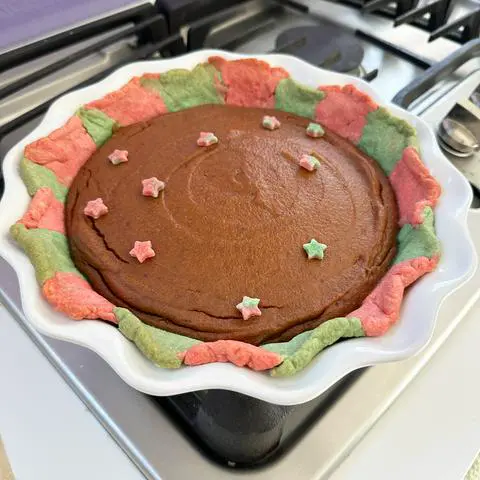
(48,432)
(432,431)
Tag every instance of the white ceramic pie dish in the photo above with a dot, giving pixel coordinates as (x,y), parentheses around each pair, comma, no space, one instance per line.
(409,336)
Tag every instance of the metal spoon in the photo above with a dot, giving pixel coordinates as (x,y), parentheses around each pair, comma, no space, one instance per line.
(460,139)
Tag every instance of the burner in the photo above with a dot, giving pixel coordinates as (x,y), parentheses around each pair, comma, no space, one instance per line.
(325,46)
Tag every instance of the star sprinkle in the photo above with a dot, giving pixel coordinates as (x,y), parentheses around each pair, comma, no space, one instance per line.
(249,307)
(118,156)
(152,187)
(315,249)
(309,162)
(95,208)
(270,123)
(142,251)
(206,139)
(315,130)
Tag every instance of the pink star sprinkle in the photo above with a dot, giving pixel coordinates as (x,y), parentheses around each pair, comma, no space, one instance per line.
(249,307)
(206,139)
(152,187)
(142,251)
(95,208)
(118,156)
(309,162)
(270,123)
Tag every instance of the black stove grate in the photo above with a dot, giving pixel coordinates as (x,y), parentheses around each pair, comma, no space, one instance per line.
(433,17)
(184,12)
(157,21)
(153,33)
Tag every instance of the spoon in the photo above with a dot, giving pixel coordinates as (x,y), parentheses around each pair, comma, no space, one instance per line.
(460,139)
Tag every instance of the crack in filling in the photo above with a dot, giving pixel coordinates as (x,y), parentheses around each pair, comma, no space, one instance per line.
(104,240)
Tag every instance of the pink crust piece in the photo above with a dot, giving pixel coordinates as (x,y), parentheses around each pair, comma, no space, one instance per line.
(142,250)
(249,82)
(152,187)
(44,211)
(118,156)
(239,353)
(344,110)
(381,309)
(414,187)
(95,208)
(206,139)
(64,151)
(131,104)
(72,295)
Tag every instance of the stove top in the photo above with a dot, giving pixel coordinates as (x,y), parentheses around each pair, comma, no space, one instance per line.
(171,437)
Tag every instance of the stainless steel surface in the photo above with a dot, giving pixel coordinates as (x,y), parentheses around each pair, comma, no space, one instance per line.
(135,421)
(458,137)
(54,84)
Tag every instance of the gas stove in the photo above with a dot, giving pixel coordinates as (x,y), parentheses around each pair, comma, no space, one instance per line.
(171,437)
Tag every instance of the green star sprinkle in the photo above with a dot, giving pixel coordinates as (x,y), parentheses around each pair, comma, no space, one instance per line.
(315,130)
(314,249)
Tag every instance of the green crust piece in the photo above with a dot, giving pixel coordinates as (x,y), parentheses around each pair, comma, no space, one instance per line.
(159,346)
(36,176)
(302,351)
(286,349)
(413,142)
(48,251)
(419,241)
(292,97)
(385,137)
(98,125)
(182,89)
